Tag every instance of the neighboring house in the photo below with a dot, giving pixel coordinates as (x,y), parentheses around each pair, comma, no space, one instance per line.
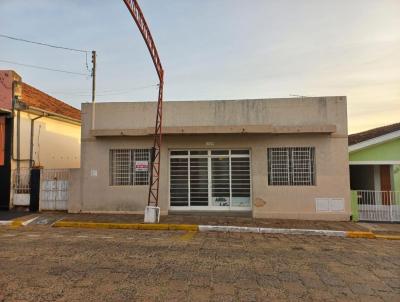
(36,130)
(375,159)
(375,174)
(277,158)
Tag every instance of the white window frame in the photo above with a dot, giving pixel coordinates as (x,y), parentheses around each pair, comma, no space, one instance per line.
(277,167)
(294,176)
(131,175)
(209,157)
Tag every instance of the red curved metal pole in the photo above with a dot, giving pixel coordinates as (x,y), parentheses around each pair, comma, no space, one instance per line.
(140,21)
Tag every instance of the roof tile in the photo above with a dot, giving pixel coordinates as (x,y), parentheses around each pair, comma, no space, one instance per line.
(36,98)
(372,133)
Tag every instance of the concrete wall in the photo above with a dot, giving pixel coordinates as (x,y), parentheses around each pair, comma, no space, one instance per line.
(332,174)
(387,151)
(276,112)
(6,79)
(396,177)
(75,191)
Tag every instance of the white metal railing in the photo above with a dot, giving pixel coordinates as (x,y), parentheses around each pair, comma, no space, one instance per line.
(378,205)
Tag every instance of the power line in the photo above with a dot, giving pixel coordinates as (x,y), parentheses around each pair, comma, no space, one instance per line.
(46,68)
(102,92)
(50,45)
(44,44)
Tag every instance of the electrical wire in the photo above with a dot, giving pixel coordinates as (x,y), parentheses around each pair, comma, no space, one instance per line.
(102,92)
(50,45)
(46,68)
(43,44)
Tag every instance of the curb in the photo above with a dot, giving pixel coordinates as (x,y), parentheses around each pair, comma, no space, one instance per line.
(388,237)
(14,223)
(218,228)
(234,229)
(131,226)
(357,234)
(17,222)
(308,232)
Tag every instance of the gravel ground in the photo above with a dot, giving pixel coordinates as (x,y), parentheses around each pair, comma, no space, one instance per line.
(47,264)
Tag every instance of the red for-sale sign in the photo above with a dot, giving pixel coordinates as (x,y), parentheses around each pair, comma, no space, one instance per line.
(141,165)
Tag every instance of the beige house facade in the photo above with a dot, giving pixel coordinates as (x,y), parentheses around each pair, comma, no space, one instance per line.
(36,131)
(268,158)
(55,142)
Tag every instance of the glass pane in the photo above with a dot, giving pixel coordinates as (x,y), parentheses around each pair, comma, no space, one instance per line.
(179,188)
(302,166)
(198,152)
(220,152)
(278,166)
(220,181)
(179,152)
(198,181)
(121,170)
(234,152)
(141,167)
(240,171)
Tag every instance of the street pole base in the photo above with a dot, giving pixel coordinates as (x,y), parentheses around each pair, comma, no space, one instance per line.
(152,214)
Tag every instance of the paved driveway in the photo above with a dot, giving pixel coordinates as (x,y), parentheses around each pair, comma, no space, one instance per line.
(46,264)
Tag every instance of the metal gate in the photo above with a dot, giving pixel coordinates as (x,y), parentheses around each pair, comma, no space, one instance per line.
(378,205)
(21,186)
(54,187)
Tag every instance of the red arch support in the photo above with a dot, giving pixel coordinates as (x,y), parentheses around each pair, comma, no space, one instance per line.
(141,23)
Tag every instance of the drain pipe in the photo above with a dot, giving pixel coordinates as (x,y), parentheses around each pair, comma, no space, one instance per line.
(93,88)
(18,145)
(16,140)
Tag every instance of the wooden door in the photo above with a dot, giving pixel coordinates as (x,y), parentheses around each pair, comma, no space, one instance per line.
(386,184)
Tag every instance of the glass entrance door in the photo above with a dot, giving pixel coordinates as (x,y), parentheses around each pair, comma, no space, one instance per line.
(220,178)
(210,180)
(198,181)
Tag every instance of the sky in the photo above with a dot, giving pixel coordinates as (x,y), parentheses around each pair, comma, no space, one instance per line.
(215,49)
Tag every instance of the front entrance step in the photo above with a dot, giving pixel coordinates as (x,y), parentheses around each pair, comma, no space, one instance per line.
(212,213)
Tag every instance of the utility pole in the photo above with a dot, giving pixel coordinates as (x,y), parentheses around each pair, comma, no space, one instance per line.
(93,86)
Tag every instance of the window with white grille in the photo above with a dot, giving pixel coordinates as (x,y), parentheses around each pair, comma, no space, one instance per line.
(291,166)
(210,178)
(129,167)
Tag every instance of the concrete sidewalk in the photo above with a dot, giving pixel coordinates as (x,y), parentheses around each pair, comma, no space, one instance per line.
(10,215)
(218,223)
(212,223)
(221,221)
(16,218)
(382,228)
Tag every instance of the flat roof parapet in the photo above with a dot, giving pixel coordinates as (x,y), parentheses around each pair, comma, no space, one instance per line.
(291,115)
